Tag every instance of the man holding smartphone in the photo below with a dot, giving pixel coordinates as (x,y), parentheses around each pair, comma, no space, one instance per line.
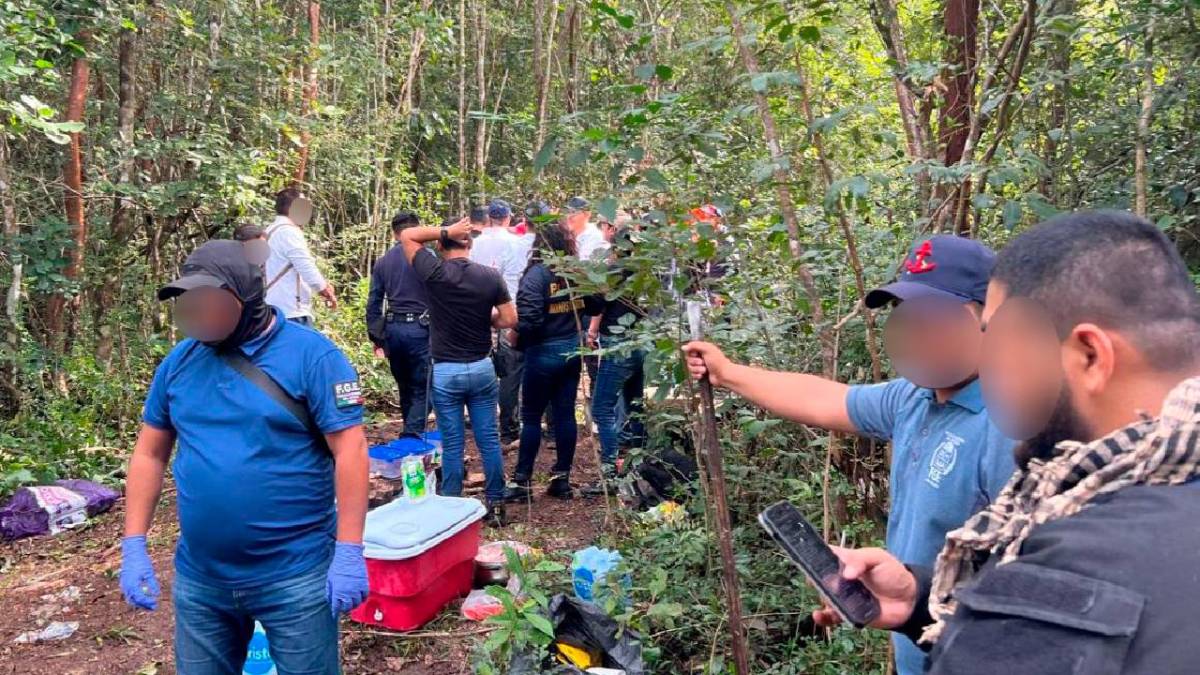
(1087,561)
(948,459)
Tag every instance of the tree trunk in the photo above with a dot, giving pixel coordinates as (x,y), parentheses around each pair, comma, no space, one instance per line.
(462,104)
(119,225)
(916,131)
(572,97)
(1021,34)
(545,49)
(409,87)
(787,208)
(1060,66)
(309,98)
(1140,168)
(10,404)
(481,85)
(961,19)
(56,323)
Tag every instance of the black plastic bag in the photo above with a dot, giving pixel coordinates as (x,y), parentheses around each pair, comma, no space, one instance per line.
(582,624)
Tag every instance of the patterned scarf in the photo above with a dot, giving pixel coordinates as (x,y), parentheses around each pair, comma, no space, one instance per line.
(1165,451)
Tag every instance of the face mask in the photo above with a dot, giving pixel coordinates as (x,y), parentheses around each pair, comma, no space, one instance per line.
(209,315)
(1022,376)
(933,342)
(301,211)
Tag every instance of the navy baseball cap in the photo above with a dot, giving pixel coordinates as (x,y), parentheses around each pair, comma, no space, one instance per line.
(498,209)
(578,204)
(943,265)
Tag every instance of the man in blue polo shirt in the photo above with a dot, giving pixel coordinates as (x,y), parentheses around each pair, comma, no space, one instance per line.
(267,415)
(948,460)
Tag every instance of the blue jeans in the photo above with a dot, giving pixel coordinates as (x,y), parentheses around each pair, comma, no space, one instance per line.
(408,355)
(213,626)
(551,379)
(620,382)
(472,385)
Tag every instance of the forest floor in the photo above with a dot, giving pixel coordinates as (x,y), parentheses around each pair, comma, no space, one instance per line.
(72,577)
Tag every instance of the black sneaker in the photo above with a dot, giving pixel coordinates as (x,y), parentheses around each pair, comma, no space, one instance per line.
(495,516)
(517,492)
(560,487)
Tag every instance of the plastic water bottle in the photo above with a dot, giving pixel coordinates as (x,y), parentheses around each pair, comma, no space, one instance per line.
(258,655)
(416,481)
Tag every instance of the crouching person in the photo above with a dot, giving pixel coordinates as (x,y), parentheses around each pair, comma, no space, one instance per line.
(267,415)
(1086,563)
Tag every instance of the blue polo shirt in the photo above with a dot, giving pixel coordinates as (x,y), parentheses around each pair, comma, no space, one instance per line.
(255,489)
(948,461)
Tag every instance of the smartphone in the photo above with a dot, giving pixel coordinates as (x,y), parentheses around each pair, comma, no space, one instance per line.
(801,542)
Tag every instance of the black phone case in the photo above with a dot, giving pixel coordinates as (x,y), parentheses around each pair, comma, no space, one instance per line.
(801,542)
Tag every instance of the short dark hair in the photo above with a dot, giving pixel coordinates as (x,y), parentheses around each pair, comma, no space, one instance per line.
(247,232)
(403,220)
(284,199)
(479,214)
(1113,269)
(452,244)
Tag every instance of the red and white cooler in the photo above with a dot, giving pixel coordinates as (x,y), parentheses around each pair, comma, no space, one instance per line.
(420,557)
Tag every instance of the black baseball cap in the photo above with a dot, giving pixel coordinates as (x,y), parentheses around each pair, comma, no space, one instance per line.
(944,266)
(578,204)
(207,266)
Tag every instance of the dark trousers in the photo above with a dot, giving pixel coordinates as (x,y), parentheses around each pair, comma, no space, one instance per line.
(620,383)
(513,367)
(551,379)
(408,355)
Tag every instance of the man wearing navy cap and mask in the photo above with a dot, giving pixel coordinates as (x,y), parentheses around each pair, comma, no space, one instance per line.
(267,415)
(948,459)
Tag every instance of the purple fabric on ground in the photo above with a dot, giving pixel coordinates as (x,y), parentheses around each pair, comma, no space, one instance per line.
(49,509)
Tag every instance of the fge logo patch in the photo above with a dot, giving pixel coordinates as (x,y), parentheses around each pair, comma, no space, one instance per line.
(347,394)
(944,459)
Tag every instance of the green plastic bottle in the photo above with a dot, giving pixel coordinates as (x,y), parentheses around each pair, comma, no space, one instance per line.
(416,482)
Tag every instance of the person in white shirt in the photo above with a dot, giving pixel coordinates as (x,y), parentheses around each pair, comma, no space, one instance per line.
(508,254)
(292,275)
(588,237)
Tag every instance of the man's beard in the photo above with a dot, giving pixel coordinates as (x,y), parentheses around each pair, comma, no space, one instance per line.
(1065,424)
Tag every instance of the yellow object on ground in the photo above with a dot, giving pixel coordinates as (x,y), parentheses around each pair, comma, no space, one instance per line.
(577,656)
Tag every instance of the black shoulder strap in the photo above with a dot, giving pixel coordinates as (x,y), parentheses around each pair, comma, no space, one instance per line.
(259,378)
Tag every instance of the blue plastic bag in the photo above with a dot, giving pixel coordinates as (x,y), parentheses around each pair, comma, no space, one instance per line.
(589,568)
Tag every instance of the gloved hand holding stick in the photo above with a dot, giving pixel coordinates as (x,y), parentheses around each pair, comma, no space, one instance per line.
(711,448)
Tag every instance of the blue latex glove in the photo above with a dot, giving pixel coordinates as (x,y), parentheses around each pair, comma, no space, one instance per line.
(346,584)
(138,582)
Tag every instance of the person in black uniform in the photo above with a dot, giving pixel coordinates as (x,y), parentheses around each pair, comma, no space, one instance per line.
(401,331)
(548,332)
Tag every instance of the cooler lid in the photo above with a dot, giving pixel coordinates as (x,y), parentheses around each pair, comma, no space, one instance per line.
(405,529)
(401,447)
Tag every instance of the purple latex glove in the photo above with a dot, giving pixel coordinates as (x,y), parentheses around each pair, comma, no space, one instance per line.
(346,584)
(138,582)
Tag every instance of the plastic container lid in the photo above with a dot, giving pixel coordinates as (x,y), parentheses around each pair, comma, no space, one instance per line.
(401,447)
(406,529)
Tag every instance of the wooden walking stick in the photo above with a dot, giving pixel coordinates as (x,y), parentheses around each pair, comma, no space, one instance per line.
(711,447)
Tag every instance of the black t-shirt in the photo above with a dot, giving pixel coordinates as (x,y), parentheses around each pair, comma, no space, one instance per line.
(461,295)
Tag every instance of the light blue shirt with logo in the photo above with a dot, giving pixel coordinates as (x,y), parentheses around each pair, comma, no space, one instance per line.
(948,461)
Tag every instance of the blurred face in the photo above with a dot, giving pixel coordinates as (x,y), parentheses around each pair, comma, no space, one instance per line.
(1024,374)
(933,342)
(207,314)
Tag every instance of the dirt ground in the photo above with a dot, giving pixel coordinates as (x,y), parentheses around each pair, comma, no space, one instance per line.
(72,577)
